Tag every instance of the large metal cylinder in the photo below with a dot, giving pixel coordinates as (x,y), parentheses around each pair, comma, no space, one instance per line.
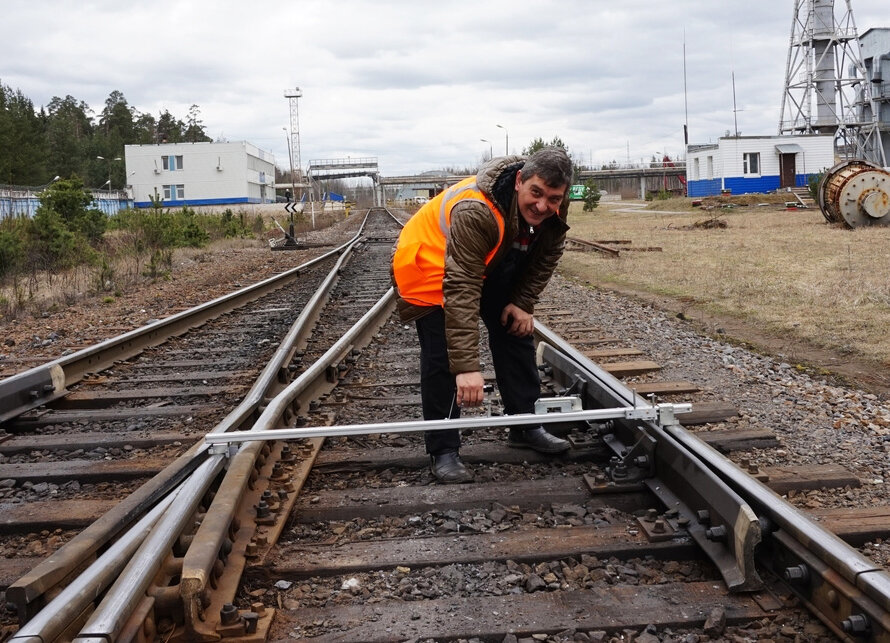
(856,193)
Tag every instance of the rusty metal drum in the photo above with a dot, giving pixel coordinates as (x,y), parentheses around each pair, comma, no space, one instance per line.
(856,193)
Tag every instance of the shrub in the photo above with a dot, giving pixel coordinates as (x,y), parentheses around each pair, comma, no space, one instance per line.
(592,195)
(12,250)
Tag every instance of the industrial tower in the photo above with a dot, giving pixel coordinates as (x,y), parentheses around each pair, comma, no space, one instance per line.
(293,96)
(825,66)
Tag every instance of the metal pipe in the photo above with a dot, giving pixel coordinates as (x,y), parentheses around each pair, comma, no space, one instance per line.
(107,620)
(646,412)
(59,613)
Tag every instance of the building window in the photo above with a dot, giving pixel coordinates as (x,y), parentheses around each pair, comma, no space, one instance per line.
(172,162)
(696,173)
(751,162)
(174,192)
(710,167)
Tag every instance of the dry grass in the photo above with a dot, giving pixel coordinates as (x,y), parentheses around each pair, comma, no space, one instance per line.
(787,272)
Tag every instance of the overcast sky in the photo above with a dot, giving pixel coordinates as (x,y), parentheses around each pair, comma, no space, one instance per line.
(418,84)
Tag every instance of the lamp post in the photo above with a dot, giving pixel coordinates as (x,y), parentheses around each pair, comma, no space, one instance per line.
(506,139)
(490,149)
(102,158)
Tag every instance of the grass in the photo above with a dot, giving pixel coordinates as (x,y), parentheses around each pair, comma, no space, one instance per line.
(787,272)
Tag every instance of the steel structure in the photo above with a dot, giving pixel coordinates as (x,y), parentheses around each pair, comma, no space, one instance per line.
(825,66)
(293,96)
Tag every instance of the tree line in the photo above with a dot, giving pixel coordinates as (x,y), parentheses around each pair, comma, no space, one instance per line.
(65,138)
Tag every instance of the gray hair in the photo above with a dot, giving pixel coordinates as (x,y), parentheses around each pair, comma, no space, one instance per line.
(552,164)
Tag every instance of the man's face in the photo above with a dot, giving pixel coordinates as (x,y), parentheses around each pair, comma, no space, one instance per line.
(537,200)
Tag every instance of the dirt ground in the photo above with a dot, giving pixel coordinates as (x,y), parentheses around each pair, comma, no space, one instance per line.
(781,282)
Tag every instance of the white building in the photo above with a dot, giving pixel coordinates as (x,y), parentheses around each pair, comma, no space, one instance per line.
(743,164)
(200,173)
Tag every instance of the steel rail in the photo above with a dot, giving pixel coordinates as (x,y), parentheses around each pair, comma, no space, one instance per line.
(108,619)
(205,546)
(204,550)
(61,611)
(847,591)
(43,384)
(24,592)
(133,581)
(719,520)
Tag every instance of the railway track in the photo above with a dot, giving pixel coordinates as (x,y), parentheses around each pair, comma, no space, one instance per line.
(322,532)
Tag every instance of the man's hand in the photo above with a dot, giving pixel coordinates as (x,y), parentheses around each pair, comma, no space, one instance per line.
(517,321)
(469,388)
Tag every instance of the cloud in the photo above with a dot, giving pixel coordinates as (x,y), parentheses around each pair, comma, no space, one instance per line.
(418,84)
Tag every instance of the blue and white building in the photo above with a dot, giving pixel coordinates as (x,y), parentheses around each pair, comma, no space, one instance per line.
(744,164)
(195,174)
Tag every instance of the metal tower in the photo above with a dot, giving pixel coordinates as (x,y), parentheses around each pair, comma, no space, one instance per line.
(293,95)
(825,65)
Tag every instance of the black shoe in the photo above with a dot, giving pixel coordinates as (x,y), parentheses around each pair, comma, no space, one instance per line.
(447,467)
(537,439)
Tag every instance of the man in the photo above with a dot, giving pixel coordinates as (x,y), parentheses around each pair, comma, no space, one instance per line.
(485,248)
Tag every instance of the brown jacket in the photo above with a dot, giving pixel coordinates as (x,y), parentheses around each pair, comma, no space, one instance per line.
(473,234)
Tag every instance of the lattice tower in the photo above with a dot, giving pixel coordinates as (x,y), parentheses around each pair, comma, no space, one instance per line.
(825,66)
(293,95)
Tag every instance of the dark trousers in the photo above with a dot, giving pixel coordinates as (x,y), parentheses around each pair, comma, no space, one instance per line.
(514,363)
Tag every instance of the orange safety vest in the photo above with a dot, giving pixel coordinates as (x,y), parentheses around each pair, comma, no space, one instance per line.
(419,260)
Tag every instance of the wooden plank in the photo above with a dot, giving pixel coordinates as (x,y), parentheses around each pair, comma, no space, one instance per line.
(372,503)
(524,545)
(592,341)
(594,450)
(628,369)
(51,514)
(73,441)
(395,501)
(736,440)
(783,479)
(611,352)
(586,246)
(103,399)
(183,377)
(484,453)
(707,413)
(89,470)
(45,418)
(491,618)
(211,363)
(666,388)
(856,526)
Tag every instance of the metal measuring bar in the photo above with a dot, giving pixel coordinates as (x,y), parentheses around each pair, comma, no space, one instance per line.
(661,413)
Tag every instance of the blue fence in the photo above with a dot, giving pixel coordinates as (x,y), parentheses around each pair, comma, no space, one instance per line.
(23,202)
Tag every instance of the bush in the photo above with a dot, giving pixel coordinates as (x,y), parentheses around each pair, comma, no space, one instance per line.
(592,195)
(12,250)
(813,183)
(71,201)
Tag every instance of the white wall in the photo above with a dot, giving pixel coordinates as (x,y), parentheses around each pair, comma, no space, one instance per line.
(211,172)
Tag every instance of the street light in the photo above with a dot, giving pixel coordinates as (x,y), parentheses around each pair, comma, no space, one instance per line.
(490,149)
(102,158)
(506,139)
